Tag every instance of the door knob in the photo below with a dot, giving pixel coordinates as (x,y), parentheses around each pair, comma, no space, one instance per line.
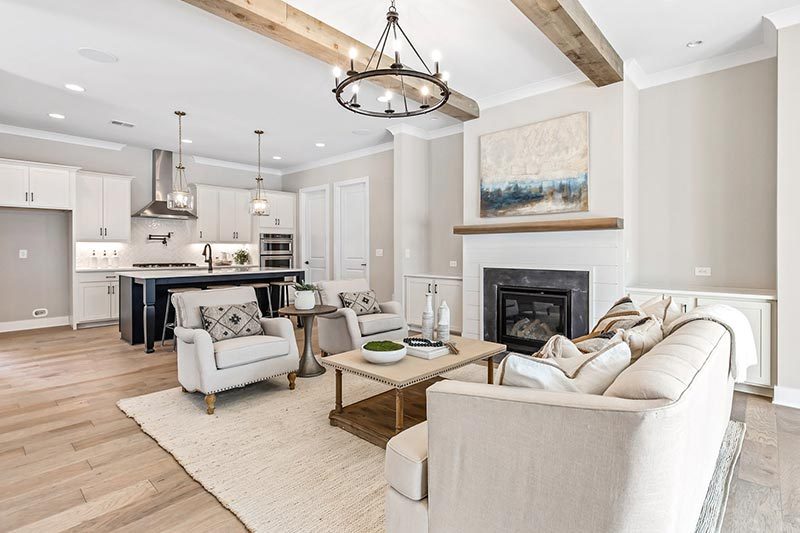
(306,262)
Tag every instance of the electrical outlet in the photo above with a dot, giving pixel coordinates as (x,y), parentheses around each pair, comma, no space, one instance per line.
(408,253)
(454,264)
(378,252)
(702,271)
(23,254)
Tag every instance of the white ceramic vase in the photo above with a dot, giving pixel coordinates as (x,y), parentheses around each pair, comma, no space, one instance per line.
(443,326)
(427,317)
(304,300)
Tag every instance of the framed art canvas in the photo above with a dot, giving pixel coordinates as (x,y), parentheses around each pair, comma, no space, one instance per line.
(538,169)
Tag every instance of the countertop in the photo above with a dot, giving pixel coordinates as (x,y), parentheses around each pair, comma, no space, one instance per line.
(710,292)
(436,276)
(89,270)
(220,271)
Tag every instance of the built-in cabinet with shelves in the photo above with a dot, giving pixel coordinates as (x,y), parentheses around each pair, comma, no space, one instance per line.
(96,298)
(281,214)
(36,185)
(223,214)
(443,288)
(757,306)
(102,207)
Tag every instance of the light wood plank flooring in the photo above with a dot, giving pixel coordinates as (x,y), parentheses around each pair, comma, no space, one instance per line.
(70,460)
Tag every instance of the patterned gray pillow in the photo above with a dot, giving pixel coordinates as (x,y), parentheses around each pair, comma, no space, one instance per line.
(229,321)
(363,303)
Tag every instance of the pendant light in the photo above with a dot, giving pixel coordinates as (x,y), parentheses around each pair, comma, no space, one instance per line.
(259,205)
(180,198)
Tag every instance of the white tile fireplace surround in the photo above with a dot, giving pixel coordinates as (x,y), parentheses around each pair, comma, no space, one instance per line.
(600,253)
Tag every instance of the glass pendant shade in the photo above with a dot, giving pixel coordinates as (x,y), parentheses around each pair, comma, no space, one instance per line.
(180,198)
(259,207)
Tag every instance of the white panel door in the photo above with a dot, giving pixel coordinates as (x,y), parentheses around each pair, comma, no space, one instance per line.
(227,215)
(14,185)
(207,215)
(89,207)
(95,300)
(759,314)
(416,288)
(314,233)
(49,188)
(244,220)
(449,290)
(351,230)
(116,209)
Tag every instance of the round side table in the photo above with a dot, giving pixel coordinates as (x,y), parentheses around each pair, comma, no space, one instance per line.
(309,366)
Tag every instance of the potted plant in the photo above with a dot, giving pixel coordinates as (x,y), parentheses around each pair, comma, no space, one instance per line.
(304,295)
(241,257)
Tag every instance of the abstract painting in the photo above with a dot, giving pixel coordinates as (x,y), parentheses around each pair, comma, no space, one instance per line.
(536,169)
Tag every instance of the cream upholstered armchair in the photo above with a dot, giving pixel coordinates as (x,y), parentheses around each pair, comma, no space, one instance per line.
(211,367)
(343,330)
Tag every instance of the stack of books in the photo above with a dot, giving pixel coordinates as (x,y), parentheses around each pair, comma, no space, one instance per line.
(427,352)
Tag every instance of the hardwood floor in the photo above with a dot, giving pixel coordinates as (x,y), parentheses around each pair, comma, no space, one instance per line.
(70,460)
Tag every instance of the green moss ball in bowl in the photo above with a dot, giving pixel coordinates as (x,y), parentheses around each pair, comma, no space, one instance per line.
(383,352)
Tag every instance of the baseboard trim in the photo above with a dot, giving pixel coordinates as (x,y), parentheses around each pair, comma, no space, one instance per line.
(758,390)
(34,323)
(787,397)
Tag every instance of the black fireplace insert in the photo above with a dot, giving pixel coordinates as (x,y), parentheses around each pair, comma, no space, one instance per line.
(529,316)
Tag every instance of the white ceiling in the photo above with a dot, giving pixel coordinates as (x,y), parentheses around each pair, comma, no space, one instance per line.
(232,81)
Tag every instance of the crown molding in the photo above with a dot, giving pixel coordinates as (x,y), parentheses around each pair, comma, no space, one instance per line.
(407,129)
(210,162)
(644,80)
(455,129)
(355,154)
(784,17)
(526,91)
(59,137)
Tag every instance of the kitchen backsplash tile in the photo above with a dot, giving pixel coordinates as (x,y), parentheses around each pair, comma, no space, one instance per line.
(181,248)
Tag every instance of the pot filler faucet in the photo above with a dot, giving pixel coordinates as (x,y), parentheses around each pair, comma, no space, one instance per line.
(207,255)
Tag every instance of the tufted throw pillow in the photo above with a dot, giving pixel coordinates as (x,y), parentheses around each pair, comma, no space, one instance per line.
(229,321)
(363,303)
(587,373)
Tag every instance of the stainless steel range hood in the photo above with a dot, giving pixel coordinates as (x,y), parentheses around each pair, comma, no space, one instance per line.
(162,185)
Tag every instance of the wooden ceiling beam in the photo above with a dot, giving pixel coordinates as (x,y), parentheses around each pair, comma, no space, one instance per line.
(573,31)
(302,32)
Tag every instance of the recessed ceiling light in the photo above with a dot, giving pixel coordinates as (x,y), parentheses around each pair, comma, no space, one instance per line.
(361,131)
(58,116)
(693,44)
(74,87)
(277,157)
(186,141)
(319,145)
(94,54)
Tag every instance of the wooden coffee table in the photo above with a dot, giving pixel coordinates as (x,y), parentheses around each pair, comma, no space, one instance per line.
(379,418)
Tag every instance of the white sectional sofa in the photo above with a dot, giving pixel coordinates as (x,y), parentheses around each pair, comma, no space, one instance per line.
(638,458)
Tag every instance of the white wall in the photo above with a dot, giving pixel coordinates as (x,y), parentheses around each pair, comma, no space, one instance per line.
(707,185)
(379,168)
(446,192)
(788,215)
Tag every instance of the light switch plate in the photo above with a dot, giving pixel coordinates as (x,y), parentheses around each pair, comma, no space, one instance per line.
(408,253)
(454,264)
(23,254)
(702,271)
(378,252)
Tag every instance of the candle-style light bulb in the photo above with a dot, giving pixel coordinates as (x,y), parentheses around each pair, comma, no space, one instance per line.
(437,57)
(353,54)
(425,92)
(354,99)
(336,73)
(396,46)
(445,76)
(388,95)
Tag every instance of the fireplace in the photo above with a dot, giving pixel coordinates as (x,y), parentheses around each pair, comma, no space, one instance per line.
(523,308)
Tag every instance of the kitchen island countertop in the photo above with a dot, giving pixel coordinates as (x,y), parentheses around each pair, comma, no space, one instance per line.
(203,272)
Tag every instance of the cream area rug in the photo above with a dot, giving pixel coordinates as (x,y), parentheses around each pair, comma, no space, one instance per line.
(270,455)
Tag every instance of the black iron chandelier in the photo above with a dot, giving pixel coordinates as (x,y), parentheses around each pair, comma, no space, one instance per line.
(431,94)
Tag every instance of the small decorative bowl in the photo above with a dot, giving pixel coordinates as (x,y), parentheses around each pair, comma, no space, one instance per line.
(383,357)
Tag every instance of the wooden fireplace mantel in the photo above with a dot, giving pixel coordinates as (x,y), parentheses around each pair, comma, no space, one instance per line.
(572,224)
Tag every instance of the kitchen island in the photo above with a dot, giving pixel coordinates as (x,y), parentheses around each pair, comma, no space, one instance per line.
(143,294)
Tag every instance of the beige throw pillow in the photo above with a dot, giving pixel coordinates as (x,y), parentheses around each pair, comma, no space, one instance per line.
(642,336)
(623,314)
(665,309)
(586,373)
(230,321)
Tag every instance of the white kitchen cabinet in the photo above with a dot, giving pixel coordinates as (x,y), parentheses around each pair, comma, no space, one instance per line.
(102,207)
(207,226)
(282,212)
(223,214)
(96,298)
(445,288)
(757,306)
(36,185)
